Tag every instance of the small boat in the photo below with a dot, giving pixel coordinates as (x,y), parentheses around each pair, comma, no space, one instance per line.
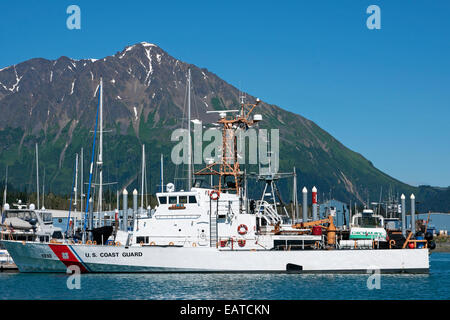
(26,223)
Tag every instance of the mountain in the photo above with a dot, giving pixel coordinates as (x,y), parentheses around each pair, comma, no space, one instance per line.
(54,102)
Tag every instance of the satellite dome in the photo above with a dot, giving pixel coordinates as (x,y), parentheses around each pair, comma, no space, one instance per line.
(170,187)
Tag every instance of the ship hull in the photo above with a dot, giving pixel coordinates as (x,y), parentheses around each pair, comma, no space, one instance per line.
(49,257)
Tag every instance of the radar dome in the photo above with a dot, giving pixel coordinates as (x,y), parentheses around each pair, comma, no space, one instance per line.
(170,187)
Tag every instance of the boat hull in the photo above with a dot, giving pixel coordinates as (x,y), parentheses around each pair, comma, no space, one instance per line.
(49,257)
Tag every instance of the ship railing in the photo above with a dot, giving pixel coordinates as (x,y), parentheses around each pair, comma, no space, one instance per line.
(267,211)
(222,207)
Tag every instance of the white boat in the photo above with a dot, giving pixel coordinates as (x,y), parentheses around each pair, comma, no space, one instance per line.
(189,232)
(218,229)
(26,223)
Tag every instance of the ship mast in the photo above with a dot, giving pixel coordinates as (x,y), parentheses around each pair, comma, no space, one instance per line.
(189,133)
(229,164)
(100,152)
(142,177)
(37,176)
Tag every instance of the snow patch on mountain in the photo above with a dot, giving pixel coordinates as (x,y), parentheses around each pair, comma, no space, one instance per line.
(73,84)
(150,67)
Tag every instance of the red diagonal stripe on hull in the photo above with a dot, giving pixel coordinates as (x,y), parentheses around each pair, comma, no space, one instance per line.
(66,256)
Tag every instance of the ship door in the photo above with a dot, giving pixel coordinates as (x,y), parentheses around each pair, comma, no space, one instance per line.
(202,236)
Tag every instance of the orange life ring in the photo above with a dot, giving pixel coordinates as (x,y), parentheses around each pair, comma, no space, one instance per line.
(194,244)
(152,243)
(89,242)
(242,229)
(170,243)
(241,242)
(214,195)
(117,243)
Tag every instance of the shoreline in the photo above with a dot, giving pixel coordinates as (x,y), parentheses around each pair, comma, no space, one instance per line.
(442,247)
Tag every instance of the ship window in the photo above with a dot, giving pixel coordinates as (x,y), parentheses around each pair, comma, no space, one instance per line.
(57,235)
(47,216)
(183,199)
(172,200)
(162,200)
(369,222)
(142,239)
(192,199)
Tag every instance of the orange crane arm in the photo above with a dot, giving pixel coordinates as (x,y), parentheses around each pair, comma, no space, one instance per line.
(313,223)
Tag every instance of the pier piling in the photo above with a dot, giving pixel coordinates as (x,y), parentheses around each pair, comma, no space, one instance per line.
(403,208)
(305,204)
(413,214)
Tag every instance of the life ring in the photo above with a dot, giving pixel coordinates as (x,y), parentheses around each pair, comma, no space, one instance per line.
(117,243)
(242,229)
(94,243)
(214,195)
(194,244)
(89,242)
(241,242)
(110,243)
(152,243)
(141,243)
(170,243)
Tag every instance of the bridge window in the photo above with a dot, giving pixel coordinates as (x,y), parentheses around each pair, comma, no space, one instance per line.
(162,200)
(183,199)
(192,199)
(172,200)
(142,239)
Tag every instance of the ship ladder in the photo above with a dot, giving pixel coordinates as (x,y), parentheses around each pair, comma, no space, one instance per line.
(213,230)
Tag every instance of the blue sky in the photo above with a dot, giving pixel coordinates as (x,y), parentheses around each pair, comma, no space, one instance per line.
(383,93)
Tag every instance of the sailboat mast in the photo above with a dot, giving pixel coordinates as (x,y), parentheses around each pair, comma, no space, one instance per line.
(142,177)
(43,191)
(76,182)
(100,153)
(37,175)
(6,187)
(189,133)
(81,181)
(162,173)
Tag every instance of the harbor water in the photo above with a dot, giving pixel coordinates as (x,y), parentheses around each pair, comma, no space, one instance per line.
(435,285)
